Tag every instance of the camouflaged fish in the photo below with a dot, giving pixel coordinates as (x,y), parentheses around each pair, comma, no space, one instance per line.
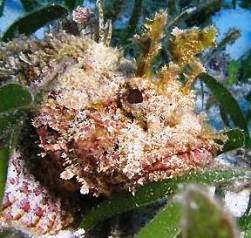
(106,123)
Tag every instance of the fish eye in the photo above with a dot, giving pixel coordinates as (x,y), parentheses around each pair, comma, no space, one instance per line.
(134,96)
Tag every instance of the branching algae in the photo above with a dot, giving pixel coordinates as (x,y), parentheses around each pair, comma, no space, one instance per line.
(104,123)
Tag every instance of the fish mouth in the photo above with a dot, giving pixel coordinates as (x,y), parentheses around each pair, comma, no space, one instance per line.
(178,163)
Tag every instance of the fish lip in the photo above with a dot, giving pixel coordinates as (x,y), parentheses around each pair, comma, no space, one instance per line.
(195,158)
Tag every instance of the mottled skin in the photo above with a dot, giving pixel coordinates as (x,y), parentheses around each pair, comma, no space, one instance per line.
(105,124)
(110,131)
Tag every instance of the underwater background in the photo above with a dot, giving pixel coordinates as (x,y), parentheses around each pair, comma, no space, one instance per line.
(230,65)
(224,19)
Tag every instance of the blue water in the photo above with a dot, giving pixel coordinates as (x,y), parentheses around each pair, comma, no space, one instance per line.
(12,10)
(235,18)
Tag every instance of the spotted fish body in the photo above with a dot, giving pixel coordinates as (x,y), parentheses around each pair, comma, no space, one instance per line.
(27,205)
(106,124)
